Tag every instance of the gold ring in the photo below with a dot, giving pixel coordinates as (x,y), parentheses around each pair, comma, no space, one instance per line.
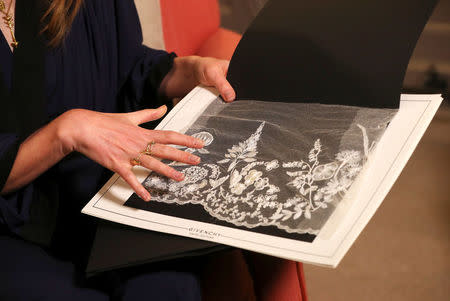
(149,149)
(137,160)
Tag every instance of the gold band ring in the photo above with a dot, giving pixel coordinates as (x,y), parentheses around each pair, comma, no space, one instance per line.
(149,149)
(137,160)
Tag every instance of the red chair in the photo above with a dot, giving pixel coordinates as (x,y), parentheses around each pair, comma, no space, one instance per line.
(193,28)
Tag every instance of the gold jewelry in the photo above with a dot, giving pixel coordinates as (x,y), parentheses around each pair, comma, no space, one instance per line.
(9,21)
(149,149)
(137,160)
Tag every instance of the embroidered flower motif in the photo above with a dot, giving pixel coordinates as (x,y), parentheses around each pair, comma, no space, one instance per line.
(261,183)
(156,183)
(349,156)
(235,178)
(272,189)
(272,165)
(194,174)
(252,176)
(325,171)
(238,188)
(333,187)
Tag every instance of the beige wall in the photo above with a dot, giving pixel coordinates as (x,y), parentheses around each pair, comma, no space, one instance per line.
(150,17)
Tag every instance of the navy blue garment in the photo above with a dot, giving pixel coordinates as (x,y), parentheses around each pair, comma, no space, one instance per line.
(101,66)
(34,275)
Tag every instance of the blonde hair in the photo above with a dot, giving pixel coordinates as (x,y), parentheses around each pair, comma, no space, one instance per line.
(58,19)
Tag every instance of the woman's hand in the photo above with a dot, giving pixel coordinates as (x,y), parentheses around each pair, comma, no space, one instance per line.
(190,71)
(114,140)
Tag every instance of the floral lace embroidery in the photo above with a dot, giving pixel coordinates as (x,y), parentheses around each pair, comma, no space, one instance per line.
(238,188)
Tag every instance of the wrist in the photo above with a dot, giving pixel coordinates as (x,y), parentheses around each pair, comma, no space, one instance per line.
(186,64)
(182,77)
(66,133)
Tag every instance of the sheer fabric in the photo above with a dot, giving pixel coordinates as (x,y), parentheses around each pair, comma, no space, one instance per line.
(274,164)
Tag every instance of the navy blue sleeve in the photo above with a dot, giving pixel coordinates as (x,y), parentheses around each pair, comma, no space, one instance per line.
(14,208)
(9,146)
(141,69)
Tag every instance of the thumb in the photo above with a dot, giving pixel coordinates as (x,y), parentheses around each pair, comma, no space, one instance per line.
(147,115)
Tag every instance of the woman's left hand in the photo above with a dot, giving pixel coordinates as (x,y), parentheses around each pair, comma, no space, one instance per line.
(190,71)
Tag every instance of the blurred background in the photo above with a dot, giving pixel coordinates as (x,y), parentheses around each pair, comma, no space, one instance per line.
(404,252)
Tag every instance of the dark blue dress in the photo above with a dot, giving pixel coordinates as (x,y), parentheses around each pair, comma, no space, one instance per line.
(101,66)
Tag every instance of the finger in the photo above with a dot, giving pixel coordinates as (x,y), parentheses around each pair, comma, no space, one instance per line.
(143,116)
(161,168)
(167,152)
(225,89)
(172,137)
(131,179)
(218,79)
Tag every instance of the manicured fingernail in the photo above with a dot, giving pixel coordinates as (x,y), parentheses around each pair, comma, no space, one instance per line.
(178,176)
(145,195)
(228,96)
(194,159)
(161,109)
(199,143)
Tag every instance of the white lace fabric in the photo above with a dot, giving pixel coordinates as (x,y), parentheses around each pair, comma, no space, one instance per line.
(274,164)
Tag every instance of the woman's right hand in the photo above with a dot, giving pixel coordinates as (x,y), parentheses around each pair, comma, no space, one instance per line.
(114,140)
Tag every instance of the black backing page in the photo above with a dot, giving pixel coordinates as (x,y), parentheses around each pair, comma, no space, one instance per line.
(350,52)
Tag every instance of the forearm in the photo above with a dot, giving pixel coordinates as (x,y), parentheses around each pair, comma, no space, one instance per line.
(36,154)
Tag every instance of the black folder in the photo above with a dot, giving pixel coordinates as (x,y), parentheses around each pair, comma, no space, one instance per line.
(351,52)
(117,246)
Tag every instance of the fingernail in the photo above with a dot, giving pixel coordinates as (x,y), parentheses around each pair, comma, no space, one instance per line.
(178,176)
(199,143)
(194,159)
(162,108)
(228,96)
(145,196)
